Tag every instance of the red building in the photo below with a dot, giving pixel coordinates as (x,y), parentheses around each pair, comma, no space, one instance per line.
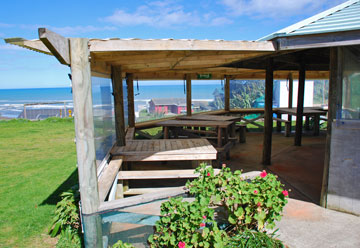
(167,105)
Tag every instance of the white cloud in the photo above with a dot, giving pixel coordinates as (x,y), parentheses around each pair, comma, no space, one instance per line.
(73,30)
(68,30)
(10,47)
(6,25)
(163,14)
(277,8)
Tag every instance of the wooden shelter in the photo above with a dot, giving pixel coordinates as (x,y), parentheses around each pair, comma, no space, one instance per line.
(301,55)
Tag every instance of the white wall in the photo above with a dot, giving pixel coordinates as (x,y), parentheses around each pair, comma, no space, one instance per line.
(308,98)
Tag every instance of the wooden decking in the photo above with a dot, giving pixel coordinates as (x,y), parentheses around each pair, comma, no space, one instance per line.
(166,150)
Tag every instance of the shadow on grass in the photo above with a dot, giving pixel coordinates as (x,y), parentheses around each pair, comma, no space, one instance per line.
(65,186)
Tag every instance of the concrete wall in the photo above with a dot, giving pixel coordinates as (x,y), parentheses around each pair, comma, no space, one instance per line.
(344,170)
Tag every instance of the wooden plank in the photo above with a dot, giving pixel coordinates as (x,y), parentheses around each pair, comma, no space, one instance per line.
(179,45)
(84,126)
(300,105)
(107,178)
(130,96)
(227,93)
(136,200)
(194,123)
(188,95)
(141,191)
(159,174)
(118,105)
(57,45)
(268,114)
(130,133)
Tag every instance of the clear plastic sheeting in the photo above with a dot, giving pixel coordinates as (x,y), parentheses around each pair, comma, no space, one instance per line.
(104,121)
(247,94)
(158,99)
(351,84)
(207,95)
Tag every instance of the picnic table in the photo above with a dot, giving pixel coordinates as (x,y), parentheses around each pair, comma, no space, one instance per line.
(177,126)
(205,117)
(307,112)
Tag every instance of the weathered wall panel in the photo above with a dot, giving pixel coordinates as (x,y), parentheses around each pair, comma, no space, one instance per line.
(344,171)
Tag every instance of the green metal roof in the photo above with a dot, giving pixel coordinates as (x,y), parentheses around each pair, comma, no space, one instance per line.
(344,17)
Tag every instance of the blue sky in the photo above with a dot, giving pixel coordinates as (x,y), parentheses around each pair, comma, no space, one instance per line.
(178,19)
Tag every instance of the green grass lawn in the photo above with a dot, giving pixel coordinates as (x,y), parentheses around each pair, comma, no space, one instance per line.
(37,163)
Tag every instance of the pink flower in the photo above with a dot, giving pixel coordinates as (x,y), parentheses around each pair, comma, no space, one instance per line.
(223,165)
(208,174)
(285,193)
(202,224)
(255,191)
(263,174)
(204,217)
(181,244)
(258,204)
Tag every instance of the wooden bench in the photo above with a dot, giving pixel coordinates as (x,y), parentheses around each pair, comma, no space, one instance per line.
(287,126)
(241,128)
(130,134)
(156,174)
(159,150)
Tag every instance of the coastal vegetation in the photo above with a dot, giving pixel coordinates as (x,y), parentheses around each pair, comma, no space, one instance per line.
(37,164)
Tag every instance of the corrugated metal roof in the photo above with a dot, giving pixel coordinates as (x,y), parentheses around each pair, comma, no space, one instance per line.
(344,17)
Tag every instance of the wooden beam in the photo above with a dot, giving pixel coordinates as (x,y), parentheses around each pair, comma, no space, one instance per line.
(291,87)
(57,44)
(180,45)
(218,73)
(141,199)
(107,177)
(227,93)
(333,39)
(34,45)
(84,125)
(300,105)
(130,96)
(334,100)
(118,105)
(268,112)
(188,95)
(161,56)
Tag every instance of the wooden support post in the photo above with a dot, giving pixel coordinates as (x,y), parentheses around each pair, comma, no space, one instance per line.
(227,93)
(300,105)
(278,123)
(268,112)
(118,105)
(188,95)
(130,95)
(85,140)
(334,100)
(290,99)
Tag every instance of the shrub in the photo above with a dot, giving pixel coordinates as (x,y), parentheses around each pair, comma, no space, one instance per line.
(67,220)
(250,206)
(187,223)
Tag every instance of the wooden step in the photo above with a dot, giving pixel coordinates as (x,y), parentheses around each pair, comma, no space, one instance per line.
(140,191)
(159,174)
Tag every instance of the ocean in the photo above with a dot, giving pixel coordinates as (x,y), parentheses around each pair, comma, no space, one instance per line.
(12,100)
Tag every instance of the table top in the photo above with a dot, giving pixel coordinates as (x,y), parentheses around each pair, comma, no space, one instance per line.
(307,111)
(166,150)
(204,117)
(194,123)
